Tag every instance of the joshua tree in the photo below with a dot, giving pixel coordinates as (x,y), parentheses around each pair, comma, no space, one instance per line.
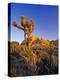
(27,27)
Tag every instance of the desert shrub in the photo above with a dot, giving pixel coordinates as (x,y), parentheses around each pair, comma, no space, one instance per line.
(23,52)
(34,60)
(28,55)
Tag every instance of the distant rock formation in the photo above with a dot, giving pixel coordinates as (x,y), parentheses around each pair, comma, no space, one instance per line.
(54,43)
(42,42)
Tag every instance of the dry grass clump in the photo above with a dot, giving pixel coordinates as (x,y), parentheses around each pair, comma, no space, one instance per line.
(23,52)
(28,55)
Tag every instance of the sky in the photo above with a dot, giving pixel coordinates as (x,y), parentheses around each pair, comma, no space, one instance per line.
(45,20)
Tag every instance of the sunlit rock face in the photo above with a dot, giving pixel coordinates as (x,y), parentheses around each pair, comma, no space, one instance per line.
(41,42)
